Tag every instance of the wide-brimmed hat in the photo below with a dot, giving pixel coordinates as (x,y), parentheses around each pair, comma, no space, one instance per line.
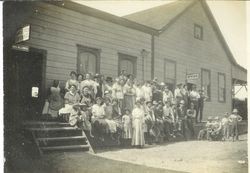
(109,79)
(210,118)
(106,92)
(162,83)
(235,110)
(182,102)
(216,118)
(155,102)
(98,98)
(179,84)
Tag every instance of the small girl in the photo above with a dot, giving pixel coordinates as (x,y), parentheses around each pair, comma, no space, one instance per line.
(126,125)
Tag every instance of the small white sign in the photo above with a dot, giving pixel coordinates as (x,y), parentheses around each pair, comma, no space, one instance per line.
(23,34)
(34,92)
(192,76)
(21,47)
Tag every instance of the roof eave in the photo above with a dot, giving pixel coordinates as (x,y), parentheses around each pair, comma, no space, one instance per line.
(220,35)
(104,16)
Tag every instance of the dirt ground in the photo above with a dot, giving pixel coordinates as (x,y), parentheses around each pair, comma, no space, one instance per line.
(191,156)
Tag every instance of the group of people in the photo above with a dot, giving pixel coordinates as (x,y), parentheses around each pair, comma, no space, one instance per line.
(140,111)
(221,129)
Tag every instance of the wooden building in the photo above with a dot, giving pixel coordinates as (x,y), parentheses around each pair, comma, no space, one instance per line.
(177,42)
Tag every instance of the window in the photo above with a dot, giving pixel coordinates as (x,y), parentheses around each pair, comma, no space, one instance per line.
(88,60)
(170,73)
(127,63)
(206,82)
(198,32)
(221,87)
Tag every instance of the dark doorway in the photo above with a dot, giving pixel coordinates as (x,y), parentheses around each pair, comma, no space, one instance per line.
(29,75)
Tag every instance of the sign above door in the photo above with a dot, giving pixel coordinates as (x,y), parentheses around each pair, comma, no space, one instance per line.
(22,34)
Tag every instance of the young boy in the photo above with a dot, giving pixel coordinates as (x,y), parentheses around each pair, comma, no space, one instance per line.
(234,118)
(168,119)
(205,133)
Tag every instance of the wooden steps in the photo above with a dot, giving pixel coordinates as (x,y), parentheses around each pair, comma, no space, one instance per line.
(66,148)
(57,137)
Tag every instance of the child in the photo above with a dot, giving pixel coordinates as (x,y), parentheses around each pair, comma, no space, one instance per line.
(216,130)
(126,122)
(205,133)
(234,118)
(137,125)
(225,126)
(168,119)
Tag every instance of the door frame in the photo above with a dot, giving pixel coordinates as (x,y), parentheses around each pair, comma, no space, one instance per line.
(43,52)
(133,59)
(175,70)
(95,51)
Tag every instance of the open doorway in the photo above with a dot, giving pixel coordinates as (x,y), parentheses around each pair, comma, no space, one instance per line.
(28,82)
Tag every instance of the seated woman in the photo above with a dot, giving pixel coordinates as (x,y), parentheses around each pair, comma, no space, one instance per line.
(80,117)
(90,84)
(108,117)
(100,126)
(71,81)
(86,97)
(55,101)
(71,98)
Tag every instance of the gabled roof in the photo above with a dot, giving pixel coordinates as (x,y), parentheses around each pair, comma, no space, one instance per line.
(152,21)
(159,16)
(80,8)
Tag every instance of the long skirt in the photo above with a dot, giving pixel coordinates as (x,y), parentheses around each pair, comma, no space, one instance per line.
(111,125)
(138,133)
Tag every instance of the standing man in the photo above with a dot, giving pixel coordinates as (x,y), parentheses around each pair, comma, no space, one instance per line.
(234,118)
(178,93)
(200,107)
(194,96)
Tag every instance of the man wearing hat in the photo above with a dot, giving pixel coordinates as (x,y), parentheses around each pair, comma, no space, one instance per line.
(234,118)
(181,114)
(194,96)
(177,93)
(200,105)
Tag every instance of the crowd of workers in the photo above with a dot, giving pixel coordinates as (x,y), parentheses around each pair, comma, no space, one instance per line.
(143,112)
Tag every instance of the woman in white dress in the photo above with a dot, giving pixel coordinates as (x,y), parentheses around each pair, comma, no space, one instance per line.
(137,125)
(71,81)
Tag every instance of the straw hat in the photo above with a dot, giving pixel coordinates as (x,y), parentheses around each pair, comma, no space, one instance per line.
(235,110)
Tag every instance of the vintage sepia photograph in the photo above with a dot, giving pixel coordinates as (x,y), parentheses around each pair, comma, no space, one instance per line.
(125,86)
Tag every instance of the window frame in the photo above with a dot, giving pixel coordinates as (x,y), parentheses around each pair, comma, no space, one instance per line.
(201,28)
(224,97)
(209,72)
(175,70)
(133,59)
(95,51)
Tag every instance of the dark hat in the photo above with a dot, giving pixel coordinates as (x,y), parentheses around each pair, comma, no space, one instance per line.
(109,79)
(148,102)
(179,84)
(98,98)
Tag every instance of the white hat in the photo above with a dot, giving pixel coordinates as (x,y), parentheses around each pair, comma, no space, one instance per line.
(235,110)
(182,102)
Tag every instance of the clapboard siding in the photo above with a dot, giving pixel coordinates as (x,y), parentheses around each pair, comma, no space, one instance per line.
(59,31)
(178,43)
